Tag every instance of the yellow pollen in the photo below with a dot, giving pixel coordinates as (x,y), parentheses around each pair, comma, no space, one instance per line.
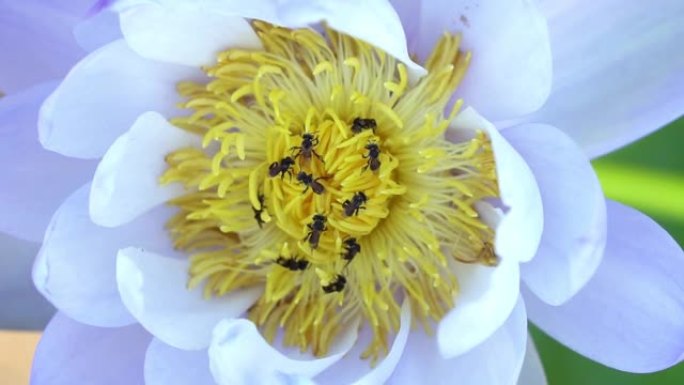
(325,178)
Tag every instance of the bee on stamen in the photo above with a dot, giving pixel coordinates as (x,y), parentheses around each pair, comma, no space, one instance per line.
(352,207)
(282,167)
(259,211)
(306,148)
(372,156)
(351,248)
(309,181)
(316,227)
(293,263)
(487,255)
(336,284)
(360,124)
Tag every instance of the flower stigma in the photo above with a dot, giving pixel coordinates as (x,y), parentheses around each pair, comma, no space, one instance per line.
(326,179)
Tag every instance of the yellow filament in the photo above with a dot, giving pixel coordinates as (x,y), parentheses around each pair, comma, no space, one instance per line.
(244,226)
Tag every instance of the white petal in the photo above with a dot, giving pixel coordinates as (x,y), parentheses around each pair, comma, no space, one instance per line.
(35,181)
(352,369)
(486,297)
(574,234)
(256,9)
(618,70)
(154,289)
(126,182)
(166,365)
(374,22)
(532,372)
(239,355)
(520,229)
(510,72)
(103,95)
(630,316)
(184,32)
(383,371)
(497,361)
(76,266)
(98,30)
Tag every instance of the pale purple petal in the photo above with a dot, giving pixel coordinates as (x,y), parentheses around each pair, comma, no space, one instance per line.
(76,266)
(103,95)
(618,70)
(510,70)
(22,305)
(166,365)
(574,233)
(36,41)
(70,353)
(630,316)
(532,372)
(98,30)
(497,361)
(34,181)
(409,13)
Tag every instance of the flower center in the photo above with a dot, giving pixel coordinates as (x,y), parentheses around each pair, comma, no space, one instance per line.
(326,179)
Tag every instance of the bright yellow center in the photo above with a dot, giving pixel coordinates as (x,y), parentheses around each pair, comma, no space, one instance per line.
(326,179)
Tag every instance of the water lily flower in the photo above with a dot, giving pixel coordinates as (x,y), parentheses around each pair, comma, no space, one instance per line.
(349,192)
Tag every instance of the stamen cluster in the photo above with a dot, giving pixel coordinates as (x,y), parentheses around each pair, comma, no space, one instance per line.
(326,179)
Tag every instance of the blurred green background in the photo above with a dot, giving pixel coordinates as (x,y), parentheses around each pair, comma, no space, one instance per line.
(647,175)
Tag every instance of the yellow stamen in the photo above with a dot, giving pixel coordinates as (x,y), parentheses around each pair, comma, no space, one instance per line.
(326,178)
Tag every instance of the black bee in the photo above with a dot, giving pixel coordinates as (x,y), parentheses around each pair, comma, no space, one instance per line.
(309,181)
(352,207)
(306,148)
(257,212)
(293,263)
(373,155)
(284,166)
(351,248)
(361,124)
(336,285)
(316,227)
